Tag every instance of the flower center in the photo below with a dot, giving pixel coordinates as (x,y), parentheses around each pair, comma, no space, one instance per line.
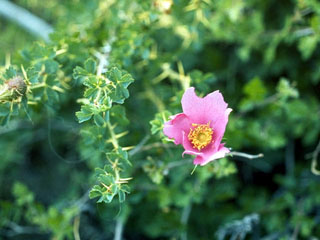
(200,136)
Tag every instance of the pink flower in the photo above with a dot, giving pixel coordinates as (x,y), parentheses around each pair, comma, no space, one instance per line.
(201,126)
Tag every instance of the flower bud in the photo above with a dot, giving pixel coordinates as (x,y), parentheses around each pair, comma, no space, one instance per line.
(13,88)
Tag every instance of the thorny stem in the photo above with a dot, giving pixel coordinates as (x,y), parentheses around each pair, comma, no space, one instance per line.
(116,171)
(103,63)
(114,140)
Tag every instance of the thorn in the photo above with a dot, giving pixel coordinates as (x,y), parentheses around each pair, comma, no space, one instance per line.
(119,135)
(128,148)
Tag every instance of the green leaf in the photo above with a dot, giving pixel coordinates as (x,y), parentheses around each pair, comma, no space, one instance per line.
(51,66)
(5,120)
(285,89)
(33,75)
(107,179)
(4,109)
(98,120)
(10,73)
(307,46)
(158,121)
(85,114)
(118,154)
(53,96)
(201,80)
(90,65)
(79,72)
(255,90)
(91,81)
(118,114)
(22,194)
(95,192)
(120,81)
(90,92)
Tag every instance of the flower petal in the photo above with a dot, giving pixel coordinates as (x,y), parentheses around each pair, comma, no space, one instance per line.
(202,110)
(176,127)
(219,127)
(209,156)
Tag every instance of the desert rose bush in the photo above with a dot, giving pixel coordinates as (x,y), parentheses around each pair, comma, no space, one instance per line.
(94,121)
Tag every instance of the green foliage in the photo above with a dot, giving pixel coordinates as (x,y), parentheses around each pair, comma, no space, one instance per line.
(101,91)
(223,168)
(110,186)
(49,220)
(238,229)
(285,90)
(82,118)
(158,121)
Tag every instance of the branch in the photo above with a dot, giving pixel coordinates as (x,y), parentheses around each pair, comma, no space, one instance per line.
(265,102)
(155,145)
(103,58)
(244,155)
(119,229)
(175,164)
(314,160)
(25,19)
(303,32)
(80,203)
(76,225)
(16,230)
(139,146)
(184,220)
(298,224)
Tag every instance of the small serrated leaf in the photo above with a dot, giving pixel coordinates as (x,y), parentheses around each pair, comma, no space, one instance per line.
(51,66)
(79,72)
(10,73)
(94,193)
(158,121)
(85,114)
(98,120)
(90,65)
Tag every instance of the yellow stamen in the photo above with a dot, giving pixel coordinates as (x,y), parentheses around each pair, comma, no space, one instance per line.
(200,136)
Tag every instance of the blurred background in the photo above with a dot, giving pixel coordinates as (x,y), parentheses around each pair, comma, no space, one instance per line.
(263,56)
